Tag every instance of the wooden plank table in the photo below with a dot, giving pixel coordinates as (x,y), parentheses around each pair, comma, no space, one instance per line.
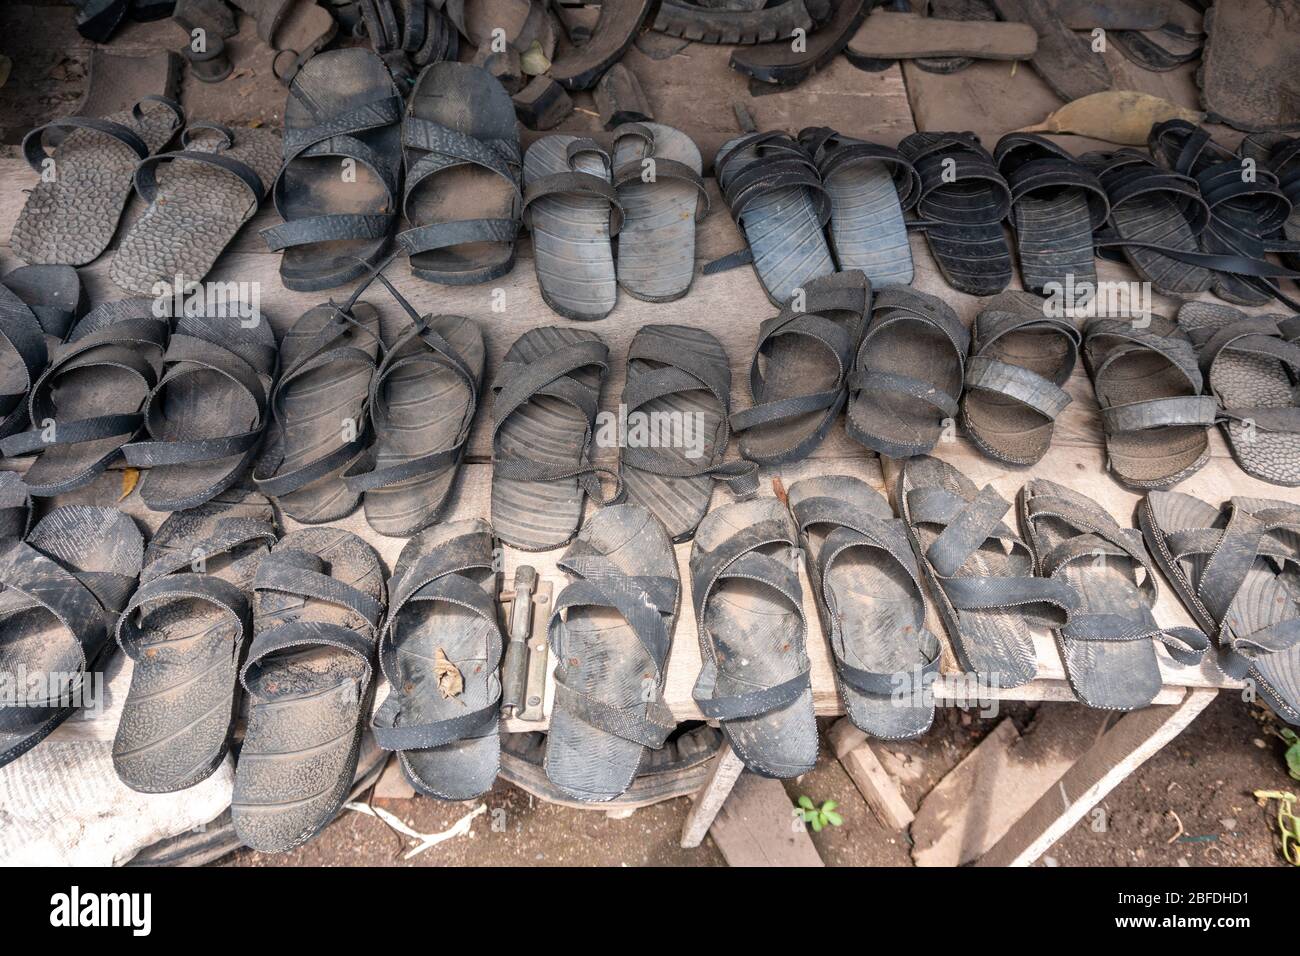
(694,89)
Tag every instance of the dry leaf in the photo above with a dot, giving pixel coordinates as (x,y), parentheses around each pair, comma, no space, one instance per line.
(533,62)
(450,683)
(1116,116)
(130,478)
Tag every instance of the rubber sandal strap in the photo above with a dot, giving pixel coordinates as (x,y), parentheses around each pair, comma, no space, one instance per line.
(223,595)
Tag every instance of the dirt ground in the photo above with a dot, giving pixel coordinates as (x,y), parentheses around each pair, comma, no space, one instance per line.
(1205,777)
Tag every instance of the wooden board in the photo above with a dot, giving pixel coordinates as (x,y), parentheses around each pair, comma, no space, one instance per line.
(757,827)
(888,35)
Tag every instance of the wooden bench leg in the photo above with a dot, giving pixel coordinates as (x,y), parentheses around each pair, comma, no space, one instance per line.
(726,770)
(1121,750)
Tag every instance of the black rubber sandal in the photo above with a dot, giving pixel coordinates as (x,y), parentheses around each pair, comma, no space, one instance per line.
(961,207)
(342,113)
(23,357)
(778,65)
(53,293)
(579,67)
(738,22)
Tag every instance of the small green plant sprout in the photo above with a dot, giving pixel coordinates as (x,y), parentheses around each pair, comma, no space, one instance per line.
(1288,824)
(1292,755)
(819,817)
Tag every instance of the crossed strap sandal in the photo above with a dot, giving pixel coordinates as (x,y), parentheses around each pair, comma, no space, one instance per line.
(867,588)
(871,187)
(1057,203)
(1108,646)
(185,629)
(340,119)
(1156,218)
(544,403)
(960,208)
(89,401)
(679,374)
(318,601)
(776,197)
(319,412)
(799,376)
(1019,362)
(1243,211)
(23,357)
(754,676)
(61,590)
(1250,365)
(69,218)
(450,153)
(611,631)
(1235,569)
(205,417)
(980,573)
(907,374)
(573,211)
(440,649)
(1148,385)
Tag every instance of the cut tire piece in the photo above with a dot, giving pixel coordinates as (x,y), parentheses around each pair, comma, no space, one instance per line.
(54,294)
(891,35)
(580,67)
(778,64)
(706,23)
(1065,61)
(1248,65)
(979,11)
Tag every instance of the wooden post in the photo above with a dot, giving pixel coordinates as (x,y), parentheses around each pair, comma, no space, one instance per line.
(726,769)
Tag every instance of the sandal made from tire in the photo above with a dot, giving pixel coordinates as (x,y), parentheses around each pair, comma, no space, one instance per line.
(741,23)
(295,31)
(1252,48)
(318,601)
(1020,359)
(1108,646)
(342,106)
(579,67)
(71,217)
(1234,568)
(1066,61)
(611,631)
(754,677)
(442,611)
(23,357)
(800,373)
(1148,385)
(980,573)
(54,294)
(61,590)
(781,65)
(79,425)
(868,592)
(186,628)
(907,375)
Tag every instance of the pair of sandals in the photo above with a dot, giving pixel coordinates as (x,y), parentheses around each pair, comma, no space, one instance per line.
(357,416)
(187,402)
(341,191)
(89,165)
(672,432)
(648,193)
(226,603)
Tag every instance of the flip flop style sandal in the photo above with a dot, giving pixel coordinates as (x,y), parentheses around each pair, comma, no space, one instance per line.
(1250,368)
(868,591)
(980,573)
(340,120)
(870,188)
(89,402)
(441,652)
(1057,203)
(573,211)
(423,397)
(753,636)
(1020,359)
(1148,386)
(780,205)
(799,376)
(72,213)
(1234,568)
(611,631)
(962,203)
(186,629)
(319,412)
(1108,646)
(318,600)
(213,185)
(451,153)
(657,177)
(62,589)
(544,403)
(678,374)
(907,374)
(205,417)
